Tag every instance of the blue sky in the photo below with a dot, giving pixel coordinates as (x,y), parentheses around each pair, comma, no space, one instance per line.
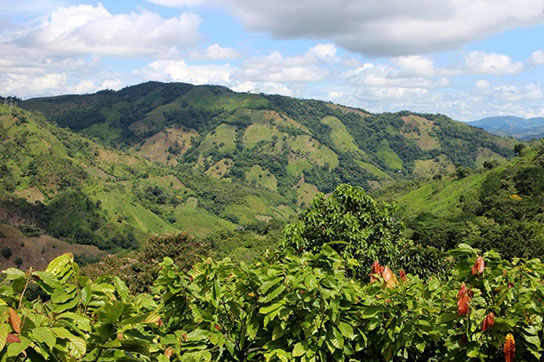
(466,58)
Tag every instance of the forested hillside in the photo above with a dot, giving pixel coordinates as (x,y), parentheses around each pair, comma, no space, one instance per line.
(56,182)
(287,145)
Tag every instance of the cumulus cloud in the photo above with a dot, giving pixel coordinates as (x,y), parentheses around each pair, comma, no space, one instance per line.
(277,68)
(384,76)
(388,28)
(273,73)
(512,93)
(537,58)
(178,70)
(87,29)
(415,65)
(492,63)
(215,52)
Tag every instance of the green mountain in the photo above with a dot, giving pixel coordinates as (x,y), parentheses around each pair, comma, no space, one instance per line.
(291,146)
(57,182)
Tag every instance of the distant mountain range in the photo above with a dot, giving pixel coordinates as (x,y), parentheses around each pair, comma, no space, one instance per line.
(512,126)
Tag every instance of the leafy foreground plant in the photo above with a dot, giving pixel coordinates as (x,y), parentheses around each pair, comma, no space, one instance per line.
(284,307)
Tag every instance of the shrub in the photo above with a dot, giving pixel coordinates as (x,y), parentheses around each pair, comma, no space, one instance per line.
(6,252)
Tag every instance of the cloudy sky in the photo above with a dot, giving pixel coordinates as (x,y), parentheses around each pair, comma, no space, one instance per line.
(465,58)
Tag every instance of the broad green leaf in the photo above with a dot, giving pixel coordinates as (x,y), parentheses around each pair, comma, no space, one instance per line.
(77,347)
(346,329)
(4,330)
(44,335)
(121,288)
(14,349)
(272,295)
(57,265)
(298,350)
(14,273)
(271,308)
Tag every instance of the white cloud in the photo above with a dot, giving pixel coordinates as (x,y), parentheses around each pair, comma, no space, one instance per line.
(215,52)
(482,84)
(537,58)
(277,68)
(491,63)
(388,28)
(87,29)
(85,86)
(178,70)
(274,67)
(111,84)
(264,87)
(384,76)
(324,52)
(415,65)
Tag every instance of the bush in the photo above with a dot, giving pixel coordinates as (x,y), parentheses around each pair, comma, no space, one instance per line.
(6,252)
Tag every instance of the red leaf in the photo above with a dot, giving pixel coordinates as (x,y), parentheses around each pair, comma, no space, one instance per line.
(14,320)
(462,305)
(375,269)
(12,338)
(478,267)
(402,275)
(389,278)
(509,348)
(462,301)
(462,290)
(218,327)
(489,320)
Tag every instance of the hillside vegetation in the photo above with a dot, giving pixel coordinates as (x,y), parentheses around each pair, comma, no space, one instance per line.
(292,146)
(319,302)
(500,206)
(56,182)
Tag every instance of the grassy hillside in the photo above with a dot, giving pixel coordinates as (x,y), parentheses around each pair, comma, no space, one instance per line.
(283,144)
(59,183)
(499,206)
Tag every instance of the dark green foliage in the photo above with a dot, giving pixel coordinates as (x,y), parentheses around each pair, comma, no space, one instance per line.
(358,227)
(140,269)
(72,215)
(6,252)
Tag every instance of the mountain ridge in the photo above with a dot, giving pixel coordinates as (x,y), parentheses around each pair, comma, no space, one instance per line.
(512,126)
(294,142)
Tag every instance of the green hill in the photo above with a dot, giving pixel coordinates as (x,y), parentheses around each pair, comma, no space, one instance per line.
(498,206)
(57,182)
(283,144)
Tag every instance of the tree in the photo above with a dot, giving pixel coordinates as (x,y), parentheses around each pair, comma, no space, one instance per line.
(357,226)
(518,149)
